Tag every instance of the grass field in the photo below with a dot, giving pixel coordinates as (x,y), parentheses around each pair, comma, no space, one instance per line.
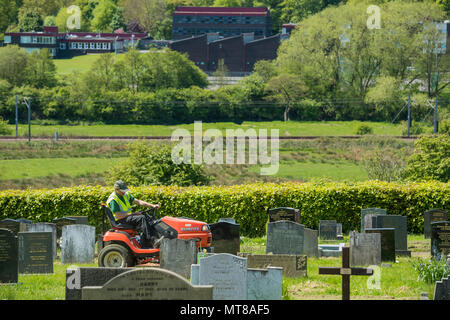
(291,128)
(397,281)
(77,64)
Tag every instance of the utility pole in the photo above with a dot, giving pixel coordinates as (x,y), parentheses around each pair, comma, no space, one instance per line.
(409,114)
(17,116)
(27,102)
(435,116)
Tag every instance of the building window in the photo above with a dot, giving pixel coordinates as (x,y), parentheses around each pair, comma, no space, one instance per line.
(7,39)
(80,45)
(62,46)
(104,46)
(86,45)
(73,45)
(99,45)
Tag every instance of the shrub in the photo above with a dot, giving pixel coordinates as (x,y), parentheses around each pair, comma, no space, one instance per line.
(4,129)
(364,129)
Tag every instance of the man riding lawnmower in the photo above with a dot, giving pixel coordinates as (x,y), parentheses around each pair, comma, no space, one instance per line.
(120,204)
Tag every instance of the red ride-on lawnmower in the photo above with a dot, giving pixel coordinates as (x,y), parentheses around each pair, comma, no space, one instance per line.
(122,246)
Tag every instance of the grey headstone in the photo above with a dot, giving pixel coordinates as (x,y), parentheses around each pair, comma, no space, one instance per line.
(77,278)
(13,225)
(330,250)
(46,227)
(365,211)
(61,222)
(440,239)
(227,274)
(9,257)
(339,229)
(79,219)
(225,237)
(365,249)
(430,216)
(370,221)
(442,289)
(285,237)
(399,223)
(387,242)
(35,252)
(147,284)
(311,243)
(284,213)
(264,284)
(195,274)
(178,255)
(328,229)
(77,244)
(294,266)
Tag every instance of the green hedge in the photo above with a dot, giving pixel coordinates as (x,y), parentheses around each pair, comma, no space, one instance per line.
(246,203)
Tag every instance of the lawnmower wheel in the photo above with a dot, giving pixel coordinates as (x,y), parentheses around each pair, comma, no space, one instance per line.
(115,256)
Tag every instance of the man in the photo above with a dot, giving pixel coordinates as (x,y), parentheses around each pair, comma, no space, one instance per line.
(120,204)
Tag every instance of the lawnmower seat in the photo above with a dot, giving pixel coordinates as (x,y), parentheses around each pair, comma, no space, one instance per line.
(113,221)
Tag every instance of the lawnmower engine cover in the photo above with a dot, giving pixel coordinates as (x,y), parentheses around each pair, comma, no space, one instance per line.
(184,228)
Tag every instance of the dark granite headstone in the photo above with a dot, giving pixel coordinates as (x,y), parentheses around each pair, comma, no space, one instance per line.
(225,237)
(46,227)
(61,222)
(13,225)
(9,257)
(365,211)
(440,239)
(77,278)
(387,242)
(430,216)
(35,252)
(442,289)
(399,223)
(328,229)
(284,213)
(285,237)
(147,284)
(79,219)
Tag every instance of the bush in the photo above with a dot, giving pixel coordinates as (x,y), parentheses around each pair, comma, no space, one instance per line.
(444,127)
(247,204)
(364,129)
(4,129)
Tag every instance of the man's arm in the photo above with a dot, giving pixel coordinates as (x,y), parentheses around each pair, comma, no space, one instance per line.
(145,204)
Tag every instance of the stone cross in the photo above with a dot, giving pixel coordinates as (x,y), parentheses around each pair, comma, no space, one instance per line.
(346,271)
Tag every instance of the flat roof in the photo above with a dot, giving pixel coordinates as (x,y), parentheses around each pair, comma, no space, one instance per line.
(221,11)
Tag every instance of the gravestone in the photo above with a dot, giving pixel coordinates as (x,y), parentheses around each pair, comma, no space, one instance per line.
(399,223)
(284,213)
(340,236)
(328,229)
(77,278)
(387,242)
(285,237)
(430,216)
(370,221)
(225,237)
(77,244)
(230,220)
(365,249)
(13,225)
(442,289)
(330,250)
(264,284)
(147,284)
(9,257)
(440,239)
(311,243)
(46,227)
(227,274)
(365,211)
(79,219)
(294,266)
(61,222)
(178,255)
(35,252)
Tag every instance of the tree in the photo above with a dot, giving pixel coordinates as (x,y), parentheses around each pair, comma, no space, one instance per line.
(30,20)
(286,89)
(154,166)
(8,14)
(41,70)
(430,160)
(13,62)
(102,16)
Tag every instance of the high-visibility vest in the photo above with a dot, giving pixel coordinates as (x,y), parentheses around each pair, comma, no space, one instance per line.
(125,206)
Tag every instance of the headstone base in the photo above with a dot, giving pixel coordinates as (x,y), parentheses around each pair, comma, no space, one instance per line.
(406,253)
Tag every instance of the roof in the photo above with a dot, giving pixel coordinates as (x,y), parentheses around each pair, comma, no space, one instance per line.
(221,11)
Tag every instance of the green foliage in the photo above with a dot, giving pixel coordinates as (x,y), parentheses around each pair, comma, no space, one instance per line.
(364,129)
(4,129)
(30,20)
(147,166)
(444,127)
(430,271)
(248,204)
(430,160)
(384,165)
